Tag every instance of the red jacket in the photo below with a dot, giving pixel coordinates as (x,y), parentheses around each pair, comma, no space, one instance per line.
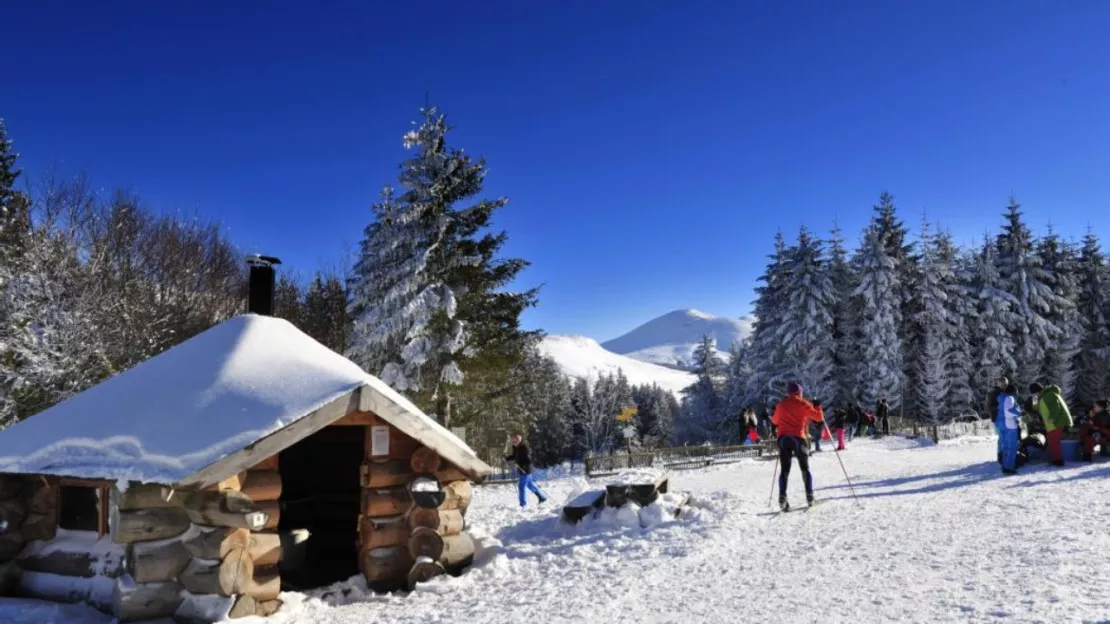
(792,416)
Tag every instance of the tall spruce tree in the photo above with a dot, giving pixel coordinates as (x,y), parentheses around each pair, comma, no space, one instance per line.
(895,239)
(325,312)
(1093,374)
(996,313)
(961,312)
(703,409)
(877,306)
(1060,263)
(426,290)
(655,416)
(1023,276)
(806,327)
(735,392)
(15,206)
(843,283)
(767,381)
(938,330)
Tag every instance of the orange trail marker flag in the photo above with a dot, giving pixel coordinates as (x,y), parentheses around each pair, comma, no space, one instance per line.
(626,414)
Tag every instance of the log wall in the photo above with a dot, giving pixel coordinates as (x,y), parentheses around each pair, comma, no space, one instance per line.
(28,512)
(394,518)
(212,542)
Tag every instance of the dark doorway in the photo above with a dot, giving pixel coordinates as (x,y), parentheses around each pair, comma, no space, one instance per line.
(320,504)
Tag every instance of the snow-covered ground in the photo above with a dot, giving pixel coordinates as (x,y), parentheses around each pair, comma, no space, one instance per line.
(583,358)
(938,535)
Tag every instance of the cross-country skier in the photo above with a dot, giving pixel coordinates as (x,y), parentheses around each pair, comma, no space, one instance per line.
(792,417)
(1056,416)
(522,457)
(1007,422)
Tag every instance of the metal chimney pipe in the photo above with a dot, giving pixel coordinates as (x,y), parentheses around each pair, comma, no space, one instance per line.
(260,294)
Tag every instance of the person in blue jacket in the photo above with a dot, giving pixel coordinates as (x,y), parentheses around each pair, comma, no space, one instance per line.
(1008,423)
(522,457)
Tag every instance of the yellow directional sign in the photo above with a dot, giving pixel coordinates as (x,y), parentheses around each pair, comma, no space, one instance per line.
(626,414)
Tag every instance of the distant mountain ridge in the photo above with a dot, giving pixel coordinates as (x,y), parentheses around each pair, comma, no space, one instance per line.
(584,358)
(670,340)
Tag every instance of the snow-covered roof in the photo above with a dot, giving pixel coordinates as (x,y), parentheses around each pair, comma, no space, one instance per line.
(207,408)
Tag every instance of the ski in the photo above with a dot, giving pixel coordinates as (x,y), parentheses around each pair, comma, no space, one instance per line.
(778,512)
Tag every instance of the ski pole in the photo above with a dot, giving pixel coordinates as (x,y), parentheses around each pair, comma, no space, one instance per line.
(842,468)
(774,476)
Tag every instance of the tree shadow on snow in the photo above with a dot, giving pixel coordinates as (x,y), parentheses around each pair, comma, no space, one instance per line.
(983,469)
(955,478)
(1075,474)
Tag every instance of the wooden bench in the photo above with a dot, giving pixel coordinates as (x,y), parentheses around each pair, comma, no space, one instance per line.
(640,491)
(582,505)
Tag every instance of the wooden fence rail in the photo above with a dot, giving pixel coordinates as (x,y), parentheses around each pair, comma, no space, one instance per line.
(678,457)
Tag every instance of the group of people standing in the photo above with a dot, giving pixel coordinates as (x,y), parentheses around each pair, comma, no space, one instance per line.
(1046,417)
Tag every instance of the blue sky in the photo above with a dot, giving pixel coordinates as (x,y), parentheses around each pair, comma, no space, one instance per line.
(650,150)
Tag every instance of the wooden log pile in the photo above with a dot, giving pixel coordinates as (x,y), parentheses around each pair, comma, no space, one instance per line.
(413,515)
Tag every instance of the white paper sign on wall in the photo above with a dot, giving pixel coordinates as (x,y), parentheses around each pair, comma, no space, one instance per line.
(379,440)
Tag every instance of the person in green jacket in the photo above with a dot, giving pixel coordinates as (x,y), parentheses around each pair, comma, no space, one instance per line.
(1056,417)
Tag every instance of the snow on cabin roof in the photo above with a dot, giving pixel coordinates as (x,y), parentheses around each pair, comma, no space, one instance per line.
(200,407)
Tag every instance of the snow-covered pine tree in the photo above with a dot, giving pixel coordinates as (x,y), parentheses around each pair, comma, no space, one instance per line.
(1093,378)
(703,408)
(1059,260)
(288,303)
(15,206)
(961,311)
(540,402)
(806,327)
(996,312)
(1025,279)
(843,283)
(894,236)
(426,294)
(767,382)
(656,412)
(877,304)
(325,310)
(735,392)
(930,362)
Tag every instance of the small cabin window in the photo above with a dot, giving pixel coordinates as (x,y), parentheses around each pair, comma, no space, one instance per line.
(79,508)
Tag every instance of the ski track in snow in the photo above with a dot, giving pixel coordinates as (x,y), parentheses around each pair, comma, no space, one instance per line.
(939,535)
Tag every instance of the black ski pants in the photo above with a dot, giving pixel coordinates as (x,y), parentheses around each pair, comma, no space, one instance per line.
(789,448)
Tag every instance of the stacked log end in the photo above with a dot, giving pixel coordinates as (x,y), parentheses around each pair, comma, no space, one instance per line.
(13,514)
(413,515)
(221,541)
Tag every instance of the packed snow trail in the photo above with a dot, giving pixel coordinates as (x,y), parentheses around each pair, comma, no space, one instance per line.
(939,535)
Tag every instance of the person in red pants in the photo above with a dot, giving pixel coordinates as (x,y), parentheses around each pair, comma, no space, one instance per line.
(1096,430)
(1054,412)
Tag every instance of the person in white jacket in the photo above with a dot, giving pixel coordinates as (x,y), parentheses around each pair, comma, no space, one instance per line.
(1008,422)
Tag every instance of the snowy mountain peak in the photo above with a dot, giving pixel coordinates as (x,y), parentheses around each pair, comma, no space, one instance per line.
(670,340)
(691,312)
(584,358)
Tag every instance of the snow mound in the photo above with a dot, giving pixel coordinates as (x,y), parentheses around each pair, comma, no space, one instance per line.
(670,340)
(584,358)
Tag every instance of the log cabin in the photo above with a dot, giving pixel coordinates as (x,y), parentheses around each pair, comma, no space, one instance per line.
(246,461)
